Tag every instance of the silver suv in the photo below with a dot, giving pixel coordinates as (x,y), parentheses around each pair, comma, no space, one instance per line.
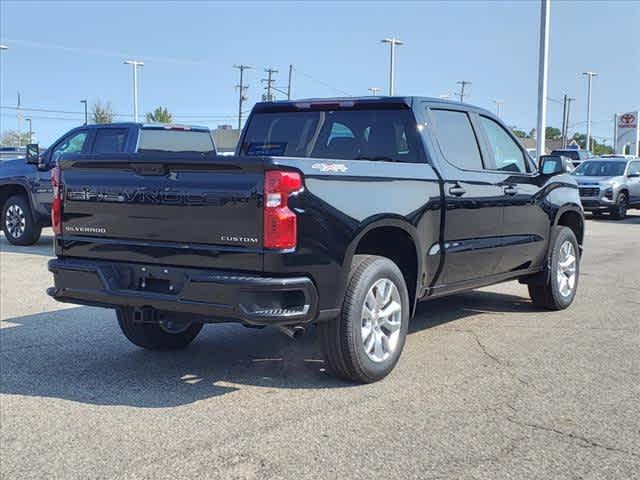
(609,184)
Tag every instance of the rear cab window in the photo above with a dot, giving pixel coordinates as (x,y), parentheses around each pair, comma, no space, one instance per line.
(361,133)
(175,140)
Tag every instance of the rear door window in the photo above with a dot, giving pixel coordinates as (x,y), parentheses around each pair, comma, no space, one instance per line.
(457,139)
(346,134)
(110,140)
(507,155)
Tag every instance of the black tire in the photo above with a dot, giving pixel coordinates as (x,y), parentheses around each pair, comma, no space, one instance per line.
(619,212)
(153,336)
(342,338)
(550,295)
(27,231)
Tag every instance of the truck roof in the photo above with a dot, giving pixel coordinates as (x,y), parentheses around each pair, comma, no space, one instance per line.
(406,101)
(168,126)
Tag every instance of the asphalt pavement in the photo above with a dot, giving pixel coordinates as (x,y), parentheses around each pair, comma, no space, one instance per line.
(487,387)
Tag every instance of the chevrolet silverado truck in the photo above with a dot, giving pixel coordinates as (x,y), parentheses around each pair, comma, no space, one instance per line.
(609,184)
(343,213)
(25,186)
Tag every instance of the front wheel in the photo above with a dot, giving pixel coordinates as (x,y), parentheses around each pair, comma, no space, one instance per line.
(564,270)
(165,334)
(18,222)
(619,212)
(363,344)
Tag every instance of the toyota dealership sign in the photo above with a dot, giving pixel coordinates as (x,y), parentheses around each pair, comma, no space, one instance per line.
(627,134)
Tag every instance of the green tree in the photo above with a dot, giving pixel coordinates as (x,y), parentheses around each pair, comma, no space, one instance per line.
(596,147)
(13,138)
(160,115)
(102,113)
(553,133)
(519,133)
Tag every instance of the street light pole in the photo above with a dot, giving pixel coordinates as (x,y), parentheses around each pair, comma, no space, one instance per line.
(30,130)
(135,64)
(86,116)
(392,44)
(543,69)
(499,104)
(590,76)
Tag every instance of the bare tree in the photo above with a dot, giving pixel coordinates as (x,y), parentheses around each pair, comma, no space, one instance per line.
(102,113)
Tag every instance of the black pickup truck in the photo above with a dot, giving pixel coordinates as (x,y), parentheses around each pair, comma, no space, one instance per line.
(25,186)
(342,213)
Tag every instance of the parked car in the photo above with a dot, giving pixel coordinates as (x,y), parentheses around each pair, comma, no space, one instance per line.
(340,212)
(25,187)
(609,184)
(577,156)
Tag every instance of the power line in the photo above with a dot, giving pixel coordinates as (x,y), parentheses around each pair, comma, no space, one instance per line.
(241,91)
(268,97)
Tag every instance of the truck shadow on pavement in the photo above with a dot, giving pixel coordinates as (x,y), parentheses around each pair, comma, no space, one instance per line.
(79,354)
(43,247)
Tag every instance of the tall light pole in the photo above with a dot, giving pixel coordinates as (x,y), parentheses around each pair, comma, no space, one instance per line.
(543,71)
(86,116)
(393,42)
(242,88)
(590,76)
(499,104)
(135,64)
(30,130)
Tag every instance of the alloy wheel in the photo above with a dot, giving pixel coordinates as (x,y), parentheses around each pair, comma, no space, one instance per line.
(381,320)
(15,221)
(566,274)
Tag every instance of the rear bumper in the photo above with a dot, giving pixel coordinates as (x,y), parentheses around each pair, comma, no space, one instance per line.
(213,296)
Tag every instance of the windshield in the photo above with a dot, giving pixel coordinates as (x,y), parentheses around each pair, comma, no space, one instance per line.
(371,134)
(161,140)
(604,168)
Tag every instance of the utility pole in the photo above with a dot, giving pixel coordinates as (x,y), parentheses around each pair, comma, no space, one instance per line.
(374,91)
(242,89)
(86,116)
(393,42)
(463,84)
(269,84)
(499,104)
(19,119)
(135,64)
(543,70)
(590,76)
(289,83)
(30,130)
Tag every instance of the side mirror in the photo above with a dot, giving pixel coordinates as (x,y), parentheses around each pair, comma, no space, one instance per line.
(555,164)
(33,154)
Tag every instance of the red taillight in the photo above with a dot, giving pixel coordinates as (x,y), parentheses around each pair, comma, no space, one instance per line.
(280,228)
(56,205)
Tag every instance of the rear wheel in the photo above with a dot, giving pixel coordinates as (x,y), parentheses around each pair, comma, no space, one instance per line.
(619,212)
(364,343)
(167,333)
(18,222)
(564,263)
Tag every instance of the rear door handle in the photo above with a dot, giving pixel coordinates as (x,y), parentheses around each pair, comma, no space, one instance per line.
(510,190)
(457,191)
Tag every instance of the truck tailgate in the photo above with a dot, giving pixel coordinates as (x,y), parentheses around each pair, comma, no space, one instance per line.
(181,209)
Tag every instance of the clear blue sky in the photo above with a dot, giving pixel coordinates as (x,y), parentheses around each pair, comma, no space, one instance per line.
(60,53)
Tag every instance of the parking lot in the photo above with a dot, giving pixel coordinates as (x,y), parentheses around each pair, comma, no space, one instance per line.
(487,387)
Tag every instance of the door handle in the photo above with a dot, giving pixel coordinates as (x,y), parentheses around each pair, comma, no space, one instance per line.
(510,190)
(457,191)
